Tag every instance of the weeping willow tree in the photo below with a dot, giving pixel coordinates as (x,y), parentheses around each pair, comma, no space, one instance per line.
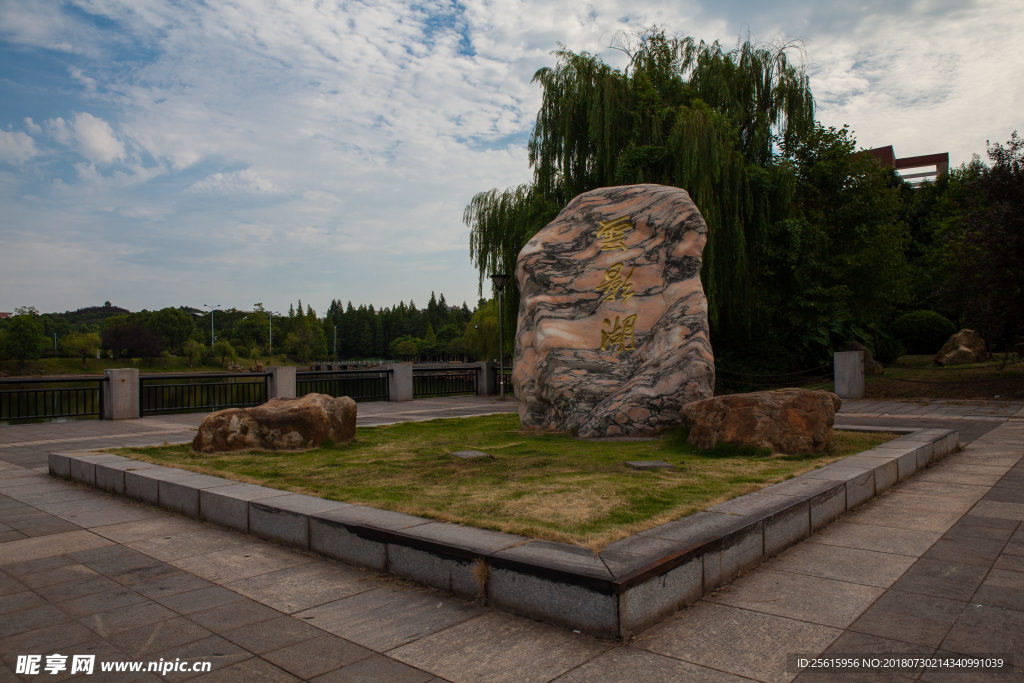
(694,115)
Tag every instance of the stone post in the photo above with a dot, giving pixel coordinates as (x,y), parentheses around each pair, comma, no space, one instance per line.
(485,381)
(400,383)
(282,382)
(849,374)
(121,395)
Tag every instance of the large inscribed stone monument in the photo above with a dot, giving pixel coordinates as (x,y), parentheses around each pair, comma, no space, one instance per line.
(613,322)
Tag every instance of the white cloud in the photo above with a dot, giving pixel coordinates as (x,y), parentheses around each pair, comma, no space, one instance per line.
(96,140)
(362,129)
(91,136)
(16,147)
(236,182)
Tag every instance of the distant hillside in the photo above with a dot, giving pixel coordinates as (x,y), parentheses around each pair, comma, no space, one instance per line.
(91,315)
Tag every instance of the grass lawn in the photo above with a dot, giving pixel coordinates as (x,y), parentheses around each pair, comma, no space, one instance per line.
(549,486)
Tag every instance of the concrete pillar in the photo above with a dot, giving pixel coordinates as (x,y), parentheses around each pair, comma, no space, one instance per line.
(121,395)
(282,382)
(849,374)
(400,383)
(485,381)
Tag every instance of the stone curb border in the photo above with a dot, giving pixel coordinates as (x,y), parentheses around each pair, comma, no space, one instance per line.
(631,585)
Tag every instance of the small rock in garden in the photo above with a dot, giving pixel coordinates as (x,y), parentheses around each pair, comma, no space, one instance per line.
(279,424)
(648,464)
(871,366)
(786,421)
(966,346)
(612,337)
(472,454)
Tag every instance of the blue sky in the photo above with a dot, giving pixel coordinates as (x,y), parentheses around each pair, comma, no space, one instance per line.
(158,153)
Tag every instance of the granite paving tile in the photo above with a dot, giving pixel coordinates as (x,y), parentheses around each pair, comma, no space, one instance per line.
(844,564)
(199,599)
(499,647)
(148,639)
(738,641)
(106,624)
(631,664)
(272,634)
(233,615)
(101,602)
(942,579)
(375,669)
(307,585)
(252,670)
(214,649)
(386,618)
(807,598)
(241,562)
(316,656)
(876,538)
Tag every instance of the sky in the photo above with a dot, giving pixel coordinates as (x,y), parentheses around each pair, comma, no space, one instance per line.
(157,153)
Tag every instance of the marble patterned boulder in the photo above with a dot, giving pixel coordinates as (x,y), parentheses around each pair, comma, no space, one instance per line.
(786,420)
(280,424)
(612,337)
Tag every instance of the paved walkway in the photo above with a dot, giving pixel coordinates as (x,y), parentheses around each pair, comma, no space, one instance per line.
(934,565)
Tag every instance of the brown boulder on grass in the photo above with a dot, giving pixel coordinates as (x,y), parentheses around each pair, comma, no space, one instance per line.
(786,421)
(280,424)
(966,346)
(871,366)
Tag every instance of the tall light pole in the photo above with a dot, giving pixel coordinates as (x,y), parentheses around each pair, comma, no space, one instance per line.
(335,342)
(499,280)
(213,339)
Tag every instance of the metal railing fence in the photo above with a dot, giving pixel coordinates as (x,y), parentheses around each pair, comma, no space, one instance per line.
(454,382)
(359,385)
(52,399)
(197,393)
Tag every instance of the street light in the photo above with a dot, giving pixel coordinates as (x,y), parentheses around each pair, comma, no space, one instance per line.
(212,309)
(499,280)
(335,342)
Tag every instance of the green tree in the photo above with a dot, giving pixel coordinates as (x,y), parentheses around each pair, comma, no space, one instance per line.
(481,338)
(835,270)
(25,339)
(986,243)
(173,324)
(682,113)
(224,349)
(406,349)
(194,350)
(81,345)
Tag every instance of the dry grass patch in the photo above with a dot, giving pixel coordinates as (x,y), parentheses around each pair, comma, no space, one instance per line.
(549,486)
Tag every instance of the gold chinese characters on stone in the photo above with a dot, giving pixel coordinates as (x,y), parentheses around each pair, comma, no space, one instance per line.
(614,283)
(612,234)
(621,334)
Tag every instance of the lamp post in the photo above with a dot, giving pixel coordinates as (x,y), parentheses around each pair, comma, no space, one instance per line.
(213,339)
(335,342)
(499,280)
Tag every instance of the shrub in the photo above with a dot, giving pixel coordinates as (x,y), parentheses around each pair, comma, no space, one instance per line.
(923,332)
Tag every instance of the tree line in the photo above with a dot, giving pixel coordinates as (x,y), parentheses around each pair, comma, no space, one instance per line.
(403,331)
(812,243)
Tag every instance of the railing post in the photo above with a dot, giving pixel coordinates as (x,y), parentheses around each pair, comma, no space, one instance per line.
(486,383)
(282,382)
(121,400)
(849,374)
(400,382)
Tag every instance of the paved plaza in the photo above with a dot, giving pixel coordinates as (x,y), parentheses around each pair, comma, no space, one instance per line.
(934,565)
